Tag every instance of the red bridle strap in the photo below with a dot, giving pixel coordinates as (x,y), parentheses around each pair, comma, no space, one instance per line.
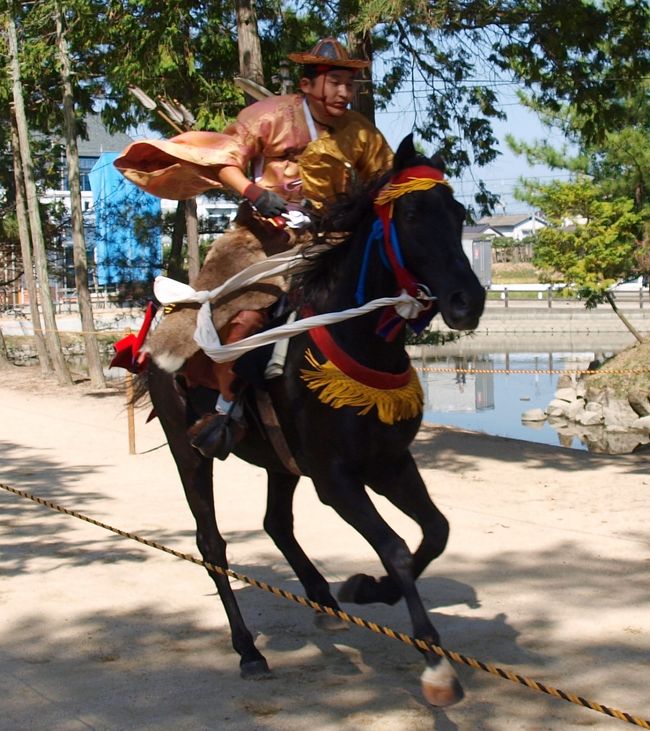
(409,180)
(352,368)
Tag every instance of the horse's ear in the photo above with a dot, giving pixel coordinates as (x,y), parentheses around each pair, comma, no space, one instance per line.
(405,153)
(438,162)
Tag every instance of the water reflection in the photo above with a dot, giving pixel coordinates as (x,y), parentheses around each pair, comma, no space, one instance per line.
(465,386)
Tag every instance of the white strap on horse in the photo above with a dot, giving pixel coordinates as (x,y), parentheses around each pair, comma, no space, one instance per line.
(169,291)
(404,304)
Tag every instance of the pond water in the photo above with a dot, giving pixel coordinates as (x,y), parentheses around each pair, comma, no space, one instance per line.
(464,385)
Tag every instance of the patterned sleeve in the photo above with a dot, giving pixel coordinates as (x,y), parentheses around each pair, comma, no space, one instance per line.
(356,148)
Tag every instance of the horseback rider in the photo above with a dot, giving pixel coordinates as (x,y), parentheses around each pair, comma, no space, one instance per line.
(297,147)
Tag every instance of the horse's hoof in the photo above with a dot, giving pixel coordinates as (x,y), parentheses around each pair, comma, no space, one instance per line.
(329,623)
(440,686)
(254,668)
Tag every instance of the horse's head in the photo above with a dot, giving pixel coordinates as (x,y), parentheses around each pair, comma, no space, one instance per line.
(428,224)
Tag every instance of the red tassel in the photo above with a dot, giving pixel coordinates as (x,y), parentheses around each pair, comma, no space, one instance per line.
(127,350)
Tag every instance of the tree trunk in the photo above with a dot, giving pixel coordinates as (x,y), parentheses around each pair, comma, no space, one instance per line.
(52,338)
(4,353)
(248,42)
(175,269)
(26,250)
(624,320)
(93,358)
(192,230)
(360,46)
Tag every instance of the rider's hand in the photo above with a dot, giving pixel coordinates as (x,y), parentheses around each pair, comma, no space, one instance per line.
(267,203)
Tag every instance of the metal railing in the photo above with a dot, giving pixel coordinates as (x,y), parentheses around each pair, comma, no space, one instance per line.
(629,294)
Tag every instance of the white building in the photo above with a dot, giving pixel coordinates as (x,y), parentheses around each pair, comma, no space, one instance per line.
(514,226)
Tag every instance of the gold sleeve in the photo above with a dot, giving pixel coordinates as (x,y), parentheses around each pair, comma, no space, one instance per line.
(355,149)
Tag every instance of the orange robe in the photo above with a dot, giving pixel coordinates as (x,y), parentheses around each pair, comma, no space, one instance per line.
(272,137)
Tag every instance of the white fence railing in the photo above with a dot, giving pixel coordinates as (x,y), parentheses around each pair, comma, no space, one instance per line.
(626,292)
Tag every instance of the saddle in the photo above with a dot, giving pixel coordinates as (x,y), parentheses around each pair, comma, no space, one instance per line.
(255,368)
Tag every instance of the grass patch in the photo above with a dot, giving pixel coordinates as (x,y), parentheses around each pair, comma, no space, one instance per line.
(622,382)
(514,273)
(514,295)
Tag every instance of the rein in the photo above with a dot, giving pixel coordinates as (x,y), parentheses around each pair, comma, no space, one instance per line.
(343,381)
(409,180)
(383,235)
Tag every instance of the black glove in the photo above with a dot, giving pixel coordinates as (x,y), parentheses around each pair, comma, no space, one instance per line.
(267,203)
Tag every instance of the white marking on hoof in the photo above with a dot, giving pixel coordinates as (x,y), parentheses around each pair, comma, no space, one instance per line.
(440,686)
(168,362)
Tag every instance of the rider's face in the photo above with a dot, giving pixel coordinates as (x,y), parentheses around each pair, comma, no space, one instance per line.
(330,93)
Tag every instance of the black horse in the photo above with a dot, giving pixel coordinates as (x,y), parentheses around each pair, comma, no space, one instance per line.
(341,449)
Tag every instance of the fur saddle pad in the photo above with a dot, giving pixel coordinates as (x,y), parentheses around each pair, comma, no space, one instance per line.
(247,242)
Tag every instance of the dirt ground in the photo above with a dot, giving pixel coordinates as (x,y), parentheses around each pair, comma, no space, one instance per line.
(546,573)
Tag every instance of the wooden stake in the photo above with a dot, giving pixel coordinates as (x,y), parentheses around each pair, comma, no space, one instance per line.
(130,409)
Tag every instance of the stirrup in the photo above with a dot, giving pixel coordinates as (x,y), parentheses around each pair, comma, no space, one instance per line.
(214,435)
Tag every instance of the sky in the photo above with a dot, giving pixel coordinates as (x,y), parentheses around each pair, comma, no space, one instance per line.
(500,176)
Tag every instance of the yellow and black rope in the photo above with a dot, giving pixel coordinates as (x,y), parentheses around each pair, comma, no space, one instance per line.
(421,645)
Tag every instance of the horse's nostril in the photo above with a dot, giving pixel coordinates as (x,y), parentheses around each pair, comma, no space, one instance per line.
(458,301)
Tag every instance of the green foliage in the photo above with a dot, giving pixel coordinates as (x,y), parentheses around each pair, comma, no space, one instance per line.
(446,59)
(591,243)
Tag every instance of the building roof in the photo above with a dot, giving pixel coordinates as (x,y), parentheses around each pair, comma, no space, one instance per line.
(476,231)
(513,219)
(100,140)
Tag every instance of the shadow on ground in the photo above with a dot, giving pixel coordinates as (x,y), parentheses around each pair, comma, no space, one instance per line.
(152,669)
(442,448)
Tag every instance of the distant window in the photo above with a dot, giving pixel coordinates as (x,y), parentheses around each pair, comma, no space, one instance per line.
(86,164)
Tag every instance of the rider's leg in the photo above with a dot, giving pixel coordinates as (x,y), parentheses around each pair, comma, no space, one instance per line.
(243,324)
(214,435)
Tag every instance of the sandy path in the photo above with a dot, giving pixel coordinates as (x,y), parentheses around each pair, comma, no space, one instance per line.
(546,572)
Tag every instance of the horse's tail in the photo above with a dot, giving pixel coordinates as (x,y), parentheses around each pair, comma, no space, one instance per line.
(140,388)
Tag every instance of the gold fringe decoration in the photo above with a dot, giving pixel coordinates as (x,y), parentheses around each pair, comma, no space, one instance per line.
(337,389)
(392,191)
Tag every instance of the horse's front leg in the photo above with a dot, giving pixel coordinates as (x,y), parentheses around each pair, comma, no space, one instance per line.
(278,523)
(347,495)
(403,485)
(196,475)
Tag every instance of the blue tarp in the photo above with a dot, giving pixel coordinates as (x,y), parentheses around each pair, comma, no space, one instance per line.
(128,245)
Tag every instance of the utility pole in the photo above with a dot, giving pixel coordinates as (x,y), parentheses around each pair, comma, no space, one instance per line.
(52,338)
(95,369)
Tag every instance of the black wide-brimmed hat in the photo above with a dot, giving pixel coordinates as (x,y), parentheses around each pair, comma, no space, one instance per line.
(329,52)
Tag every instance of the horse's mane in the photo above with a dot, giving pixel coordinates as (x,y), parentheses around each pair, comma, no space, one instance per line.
(336,227)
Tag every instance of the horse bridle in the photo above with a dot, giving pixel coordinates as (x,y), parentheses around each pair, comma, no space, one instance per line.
(409,180)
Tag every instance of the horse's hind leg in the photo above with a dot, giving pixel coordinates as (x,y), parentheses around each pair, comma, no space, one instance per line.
(196,475)
(403,485)
(278,523)
(348,497)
